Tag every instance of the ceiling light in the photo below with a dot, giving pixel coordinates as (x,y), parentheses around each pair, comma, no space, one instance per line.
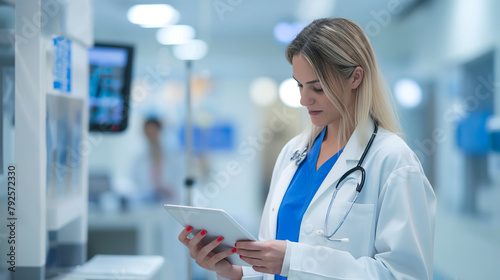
(408,93)
(175,34)
(264,91)
(192,50)
(289,93)
(153,15)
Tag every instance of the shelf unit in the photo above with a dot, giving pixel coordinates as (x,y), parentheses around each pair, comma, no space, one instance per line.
(51,128)
(63,211)
(6,126)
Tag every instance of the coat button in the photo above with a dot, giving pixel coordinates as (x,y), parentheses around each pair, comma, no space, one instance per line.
(273,209)
(308,228)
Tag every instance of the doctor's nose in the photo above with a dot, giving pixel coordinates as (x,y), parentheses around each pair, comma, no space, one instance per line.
(306,99)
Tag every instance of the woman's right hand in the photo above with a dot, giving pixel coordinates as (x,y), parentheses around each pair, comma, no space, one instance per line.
(207,259)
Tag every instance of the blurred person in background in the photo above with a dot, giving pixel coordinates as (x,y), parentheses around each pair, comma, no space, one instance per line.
(156,173)
(323,219)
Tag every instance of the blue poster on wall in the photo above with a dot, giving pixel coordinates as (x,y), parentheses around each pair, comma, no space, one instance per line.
(216,137)
(61,72)
(472,136)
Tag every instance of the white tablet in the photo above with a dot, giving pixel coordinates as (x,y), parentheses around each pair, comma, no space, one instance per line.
(216,222)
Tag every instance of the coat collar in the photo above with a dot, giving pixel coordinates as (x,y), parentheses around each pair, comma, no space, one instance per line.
(353,150)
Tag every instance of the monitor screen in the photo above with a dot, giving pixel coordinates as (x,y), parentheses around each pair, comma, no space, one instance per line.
(110,79)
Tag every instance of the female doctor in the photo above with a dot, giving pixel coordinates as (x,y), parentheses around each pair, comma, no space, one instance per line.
(348,198)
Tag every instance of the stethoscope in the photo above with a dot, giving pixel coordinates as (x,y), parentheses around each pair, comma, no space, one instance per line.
(298,157)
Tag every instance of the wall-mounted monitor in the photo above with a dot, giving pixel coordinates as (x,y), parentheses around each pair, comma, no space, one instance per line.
(110,81)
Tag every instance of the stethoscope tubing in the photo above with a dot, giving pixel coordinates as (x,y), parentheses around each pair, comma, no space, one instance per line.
(298,157)
(359,187)
(329,237)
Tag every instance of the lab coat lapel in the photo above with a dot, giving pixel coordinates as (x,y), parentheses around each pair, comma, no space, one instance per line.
(283,183)
(284,180)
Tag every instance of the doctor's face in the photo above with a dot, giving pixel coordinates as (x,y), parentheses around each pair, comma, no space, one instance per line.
(320,108)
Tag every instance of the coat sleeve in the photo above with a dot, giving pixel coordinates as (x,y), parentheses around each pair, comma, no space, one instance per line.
(404,237)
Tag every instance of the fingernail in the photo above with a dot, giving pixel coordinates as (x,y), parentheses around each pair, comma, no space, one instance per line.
(235,244)
(203,232)
(220,239)
(241,257)
(189,228)
(234,250)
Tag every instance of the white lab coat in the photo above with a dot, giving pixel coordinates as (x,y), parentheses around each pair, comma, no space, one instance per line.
(391,226)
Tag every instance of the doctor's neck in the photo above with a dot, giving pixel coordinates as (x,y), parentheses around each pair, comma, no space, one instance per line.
(343,125)
(333,136)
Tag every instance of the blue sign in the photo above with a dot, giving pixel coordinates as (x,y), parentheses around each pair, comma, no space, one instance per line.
(472,137)
(217,137)
(62,64)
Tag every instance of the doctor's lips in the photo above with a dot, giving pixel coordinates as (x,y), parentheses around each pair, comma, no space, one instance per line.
(313,113)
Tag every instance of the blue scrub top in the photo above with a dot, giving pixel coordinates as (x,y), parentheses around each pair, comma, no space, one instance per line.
(303,187)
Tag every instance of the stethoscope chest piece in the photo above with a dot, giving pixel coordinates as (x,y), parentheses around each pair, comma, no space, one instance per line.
(298,156)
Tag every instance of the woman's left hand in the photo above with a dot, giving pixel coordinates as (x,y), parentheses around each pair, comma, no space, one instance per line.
(265,256)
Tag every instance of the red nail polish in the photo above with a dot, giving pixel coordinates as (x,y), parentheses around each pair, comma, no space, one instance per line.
(220,239)
(189,228)
(234,250)
(235,244)
(241,257)
(203,232)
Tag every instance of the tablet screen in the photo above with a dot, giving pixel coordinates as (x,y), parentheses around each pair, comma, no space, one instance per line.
(216,222)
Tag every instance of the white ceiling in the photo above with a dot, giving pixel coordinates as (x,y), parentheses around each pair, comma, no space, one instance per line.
(246,18)
(241,39)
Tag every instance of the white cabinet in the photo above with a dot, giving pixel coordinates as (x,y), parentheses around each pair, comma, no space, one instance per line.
(51,128)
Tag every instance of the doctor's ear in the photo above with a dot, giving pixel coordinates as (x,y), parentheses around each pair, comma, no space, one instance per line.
(356,77)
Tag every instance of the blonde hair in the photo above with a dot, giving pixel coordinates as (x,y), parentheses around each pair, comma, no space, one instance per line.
(334,47)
